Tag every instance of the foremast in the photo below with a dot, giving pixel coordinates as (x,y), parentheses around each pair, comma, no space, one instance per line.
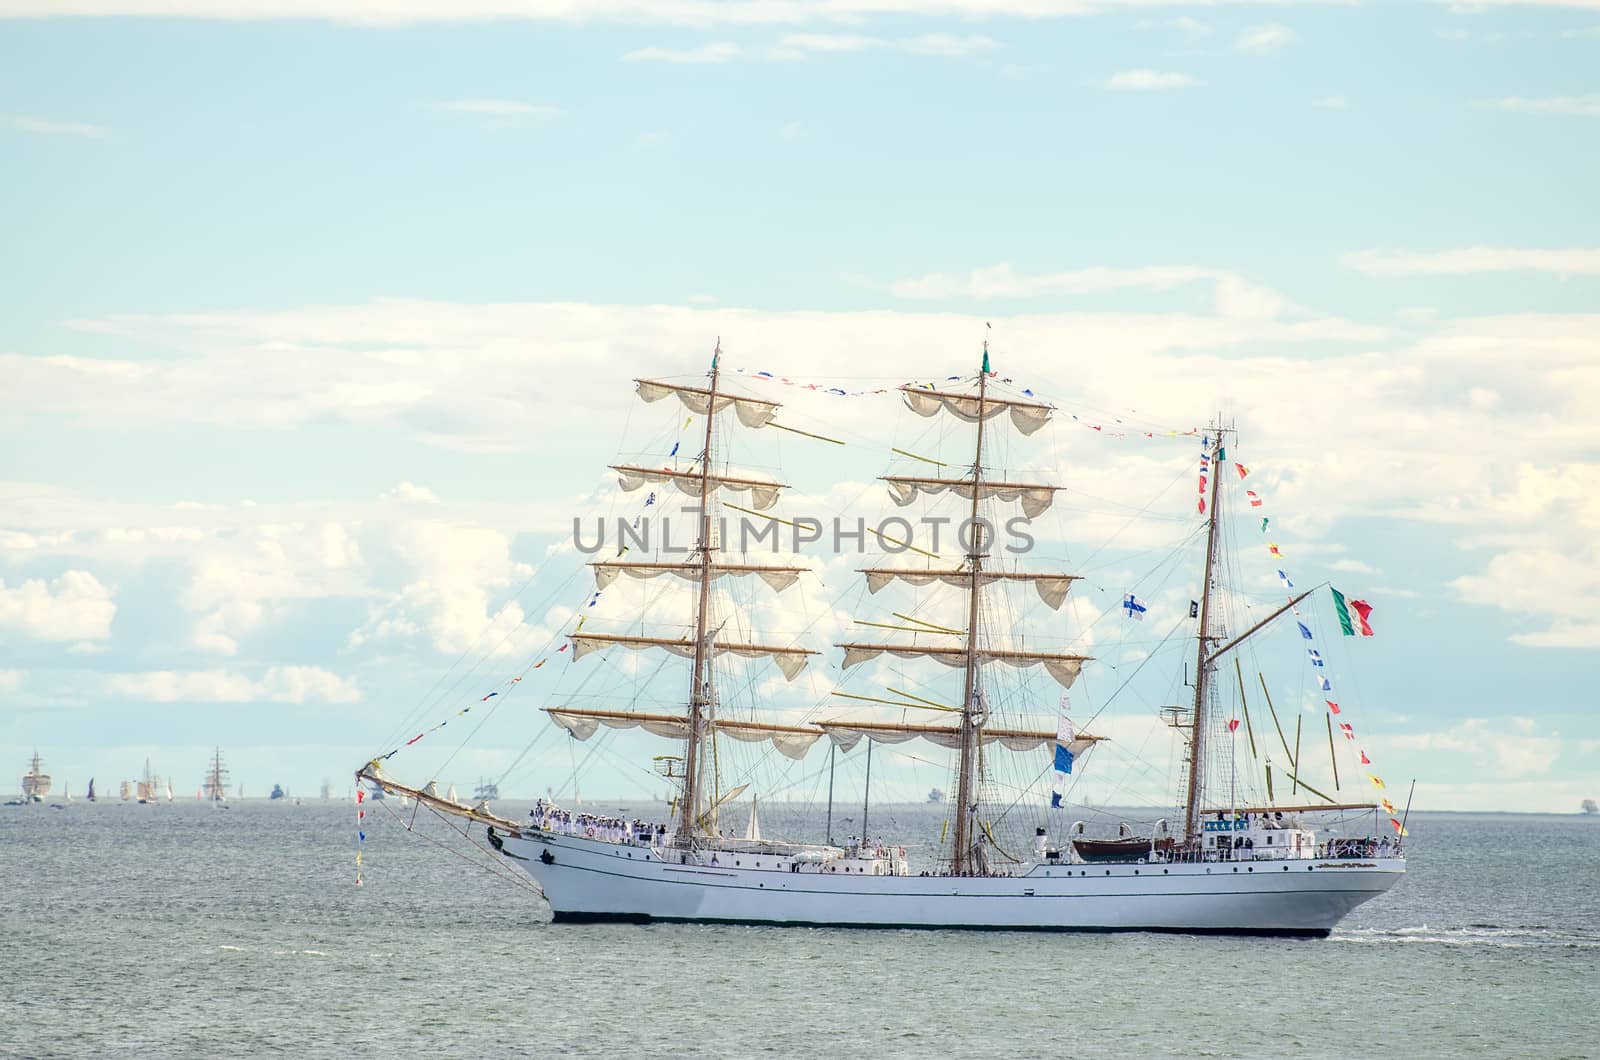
(699,725)
(700,697)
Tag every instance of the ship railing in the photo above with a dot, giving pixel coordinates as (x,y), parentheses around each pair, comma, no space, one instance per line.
(1331,850)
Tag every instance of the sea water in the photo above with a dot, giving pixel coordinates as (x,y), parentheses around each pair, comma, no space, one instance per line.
(186,930)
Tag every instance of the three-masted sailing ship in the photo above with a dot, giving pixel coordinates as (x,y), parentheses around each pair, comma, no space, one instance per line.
(1225,868)
(35,782)
(215,786)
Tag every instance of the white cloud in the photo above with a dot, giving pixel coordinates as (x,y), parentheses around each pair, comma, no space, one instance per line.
(1585,31)
(1588,106)
(1331,103)
(943,45)
(1005,281)
(1509,747)
(46,127)
(715,52)
(1264,40)
(73,607)
(280,684)
(1404,436)
(1466,260)
(1150,80)
(410,493)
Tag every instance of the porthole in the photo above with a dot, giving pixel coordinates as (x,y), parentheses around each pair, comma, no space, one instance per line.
(1236,868)
(1248,868)
(1108,872)
(1163,872)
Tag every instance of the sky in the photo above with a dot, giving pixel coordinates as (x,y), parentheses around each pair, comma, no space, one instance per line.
(318,324)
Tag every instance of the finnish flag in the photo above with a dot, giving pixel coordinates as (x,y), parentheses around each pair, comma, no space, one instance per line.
(1316,656)
(1134,607)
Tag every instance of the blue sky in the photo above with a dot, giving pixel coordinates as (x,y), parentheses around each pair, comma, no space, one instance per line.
(316,332)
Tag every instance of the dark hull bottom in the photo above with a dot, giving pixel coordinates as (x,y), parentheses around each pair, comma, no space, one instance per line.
(641,918)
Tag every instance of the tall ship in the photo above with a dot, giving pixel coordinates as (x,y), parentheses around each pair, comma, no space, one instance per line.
(215,786)
(35,782)
(147,788)
(985,644)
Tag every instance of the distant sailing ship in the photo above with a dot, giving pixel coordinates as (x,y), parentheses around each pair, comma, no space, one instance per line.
(35,782)
(1228,866)
(90,796)
(148,788)
(215,787)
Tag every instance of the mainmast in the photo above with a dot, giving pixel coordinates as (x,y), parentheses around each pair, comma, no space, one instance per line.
(971,716)
(1203,655)
(699,690)
(971,733)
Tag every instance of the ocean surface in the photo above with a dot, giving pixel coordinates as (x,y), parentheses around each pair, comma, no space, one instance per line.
(183,930)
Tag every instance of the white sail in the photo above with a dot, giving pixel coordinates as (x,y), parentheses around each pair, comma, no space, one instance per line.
(763,494)
(752,412)
(1063,667)
(847,733)
(792,741)
(789,660)
(1026,416)
(1036,498)
(777,578)
(1052,588)
(752,828)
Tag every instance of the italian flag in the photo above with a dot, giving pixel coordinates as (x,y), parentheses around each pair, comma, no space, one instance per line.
(1362,609)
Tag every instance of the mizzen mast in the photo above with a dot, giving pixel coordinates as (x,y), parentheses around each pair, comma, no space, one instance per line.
(1204,656)
(971,713)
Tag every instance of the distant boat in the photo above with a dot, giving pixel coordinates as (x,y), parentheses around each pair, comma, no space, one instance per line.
(91,789)
(215,787)
(487,789)
(35,782)
(327,790)
(149,787)
(277,792)
(1589,806)
(936,795)
(169,789)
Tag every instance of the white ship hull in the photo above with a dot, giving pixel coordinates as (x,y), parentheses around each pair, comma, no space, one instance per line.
(590,880)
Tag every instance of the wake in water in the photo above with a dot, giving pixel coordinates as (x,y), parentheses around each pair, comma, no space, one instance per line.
(1496,935)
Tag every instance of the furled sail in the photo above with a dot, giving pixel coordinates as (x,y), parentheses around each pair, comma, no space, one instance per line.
(847,733)
(1064,668)
(792,741)
(1026,416)
(778,578)
(790,660)
(763,495)
(752,412)
(1036,499)
(1052,588)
